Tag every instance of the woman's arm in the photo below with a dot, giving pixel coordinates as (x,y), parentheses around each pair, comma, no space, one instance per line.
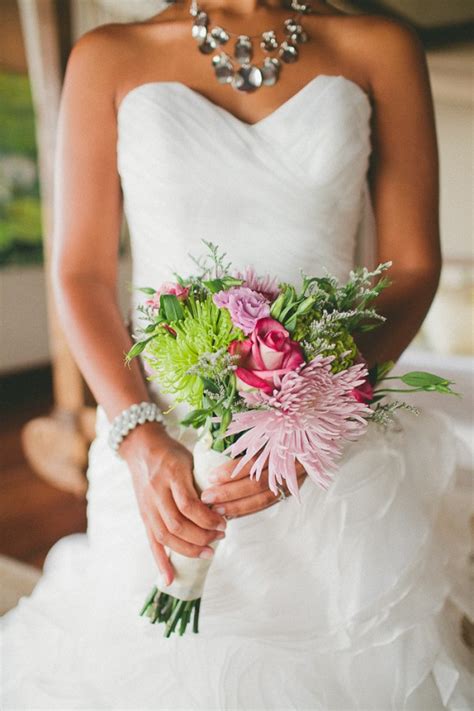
(87,220)
(404,180)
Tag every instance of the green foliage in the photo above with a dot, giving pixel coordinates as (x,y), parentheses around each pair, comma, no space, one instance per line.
(212,264)
(20,207)
(204,328)
(17,121)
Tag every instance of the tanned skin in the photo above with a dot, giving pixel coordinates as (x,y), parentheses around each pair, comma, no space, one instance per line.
(386,60)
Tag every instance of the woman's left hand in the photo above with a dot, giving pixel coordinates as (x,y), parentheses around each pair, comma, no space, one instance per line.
(241,495)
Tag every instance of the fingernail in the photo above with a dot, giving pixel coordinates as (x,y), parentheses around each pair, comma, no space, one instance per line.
(208,497)
(219,509)
(222,525)
(213,477)
(220,534)
(166,578)
(206,553)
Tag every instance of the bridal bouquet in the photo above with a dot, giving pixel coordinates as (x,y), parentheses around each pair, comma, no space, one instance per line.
(272,374)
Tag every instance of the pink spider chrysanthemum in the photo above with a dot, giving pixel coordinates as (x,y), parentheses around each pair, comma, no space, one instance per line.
(267,285)
(307,418)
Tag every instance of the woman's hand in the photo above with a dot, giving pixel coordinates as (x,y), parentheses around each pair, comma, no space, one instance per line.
(242,495)
(162,474)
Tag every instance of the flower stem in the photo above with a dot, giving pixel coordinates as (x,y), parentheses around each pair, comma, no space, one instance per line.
(162,607)
(396,390)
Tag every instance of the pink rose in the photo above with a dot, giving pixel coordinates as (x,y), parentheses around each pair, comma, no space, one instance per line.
(168,287)
(364,393)
(244,305)
(269,351)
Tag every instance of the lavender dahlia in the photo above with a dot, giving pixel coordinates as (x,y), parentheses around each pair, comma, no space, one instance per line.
(307,418)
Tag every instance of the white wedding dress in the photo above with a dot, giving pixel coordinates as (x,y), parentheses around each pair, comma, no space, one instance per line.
(336,603)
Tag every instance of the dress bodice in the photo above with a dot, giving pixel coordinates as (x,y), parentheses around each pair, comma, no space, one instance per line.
(285,194)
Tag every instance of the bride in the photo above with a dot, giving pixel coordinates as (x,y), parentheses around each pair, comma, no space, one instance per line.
(336,602)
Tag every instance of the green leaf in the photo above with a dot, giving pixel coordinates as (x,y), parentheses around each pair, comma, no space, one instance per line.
(146,290)
(195,418)
(425,381)
(218,445)
(136,349)
(229,281)
(225,422)
(151,328)
(171,308)
(382,370)
(290,325)
(305,305)
(277,306)
(214,285)
(210,385)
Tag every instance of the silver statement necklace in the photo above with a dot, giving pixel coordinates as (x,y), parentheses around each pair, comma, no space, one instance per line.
(238,71)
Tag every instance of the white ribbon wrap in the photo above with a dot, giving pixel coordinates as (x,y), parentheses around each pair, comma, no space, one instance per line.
(190,573)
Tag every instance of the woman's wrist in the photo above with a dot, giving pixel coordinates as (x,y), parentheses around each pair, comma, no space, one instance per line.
(141,439)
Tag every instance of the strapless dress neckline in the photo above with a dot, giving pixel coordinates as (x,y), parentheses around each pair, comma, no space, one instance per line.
(290,103)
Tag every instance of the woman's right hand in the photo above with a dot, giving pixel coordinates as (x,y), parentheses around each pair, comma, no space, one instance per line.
(173,514)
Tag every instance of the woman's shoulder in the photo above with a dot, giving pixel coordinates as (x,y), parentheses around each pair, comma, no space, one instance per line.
(377,46)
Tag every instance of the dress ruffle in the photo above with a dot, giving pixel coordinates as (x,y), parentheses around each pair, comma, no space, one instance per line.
(340,602)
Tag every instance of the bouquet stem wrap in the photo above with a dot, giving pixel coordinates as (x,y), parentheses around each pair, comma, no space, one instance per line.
(175,604)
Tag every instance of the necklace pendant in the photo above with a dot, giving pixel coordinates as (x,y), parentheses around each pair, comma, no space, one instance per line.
(199,32)
(220,35)
(208,45)
(270,70)
(269,41)
(243,50)
(199,28)
(201,18)
(247,78)
(295,32)
(288,52)
(298,37)
(223,68)
(300,7)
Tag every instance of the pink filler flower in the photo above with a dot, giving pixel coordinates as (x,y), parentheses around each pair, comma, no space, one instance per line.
(168,287)
(306,419)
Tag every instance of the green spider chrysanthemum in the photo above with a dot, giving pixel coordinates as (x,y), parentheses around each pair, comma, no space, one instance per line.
(204,329)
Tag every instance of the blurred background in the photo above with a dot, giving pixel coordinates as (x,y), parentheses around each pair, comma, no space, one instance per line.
(47,411)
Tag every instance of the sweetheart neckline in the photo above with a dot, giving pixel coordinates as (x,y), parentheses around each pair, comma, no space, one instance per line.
(232,117)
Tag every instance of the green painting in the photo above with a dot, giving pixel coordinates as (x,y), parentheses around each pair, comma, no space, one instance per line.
(20,207)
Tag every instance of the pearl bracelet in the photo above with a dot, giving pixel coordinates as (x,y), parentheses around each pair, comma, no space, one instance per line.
(129,418)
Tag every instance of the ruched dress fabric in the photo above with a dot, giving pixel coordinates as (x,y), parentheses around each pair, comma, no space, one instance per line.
(336,603)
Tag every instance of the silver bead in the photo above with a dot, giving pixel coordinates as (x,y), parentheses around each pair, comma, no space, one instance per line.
(208,45)
(269,41)
(270,70)
(243,50)
(223,68)
(220,35)
(201,18)
(248,78)
(288,52)
(199,32)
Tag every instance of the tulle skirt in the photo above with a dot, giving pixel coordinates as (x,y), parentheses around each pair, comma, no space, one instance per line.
(339,602)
